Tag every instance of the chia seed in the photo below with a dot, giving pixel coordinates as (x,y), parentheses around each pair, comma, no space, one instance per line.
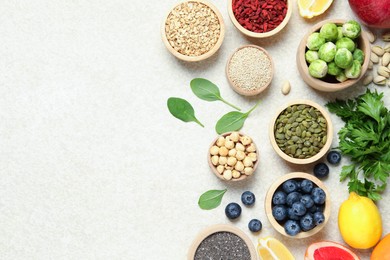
(222,246)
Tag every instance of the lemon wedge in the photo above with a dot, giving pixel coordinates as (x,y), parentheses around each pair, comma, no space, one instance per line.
(311,8)
(270,248)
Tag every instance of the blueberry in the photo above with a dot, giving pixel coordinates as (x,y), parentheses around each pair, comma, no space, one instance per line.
(307,186)
(293,197)
(298,208)
(333,157)
(319,218)
(292,227)
(279,212)
(318,195)
(313,209)
(290,186)
(248,198)
(307,201)
(320,208)
(291,214)
(255,225)
(307,222)
(233,210)
(321,170)
(279,198)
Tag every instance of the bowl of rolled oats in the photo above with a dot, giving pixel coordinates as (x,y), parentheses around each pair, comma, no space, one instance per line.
(193,30)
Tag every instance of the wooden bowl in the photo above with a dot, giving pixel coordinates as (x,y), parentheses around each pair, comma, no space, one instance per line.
(240,90)
(205,55)
(323,150)
(260,35)
(221,228)
(276,185)
(214,169)
(330,84)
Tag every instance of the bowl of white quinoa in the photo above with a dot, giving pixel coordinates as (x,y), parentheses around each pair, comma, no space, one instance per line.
(250,70)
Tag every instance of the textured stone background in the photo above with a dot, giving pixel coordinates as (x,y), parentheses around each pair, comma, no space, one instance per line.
(92,165)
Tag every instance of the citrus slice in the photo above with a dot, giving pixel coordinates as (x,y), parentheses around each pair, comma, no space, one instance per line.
(311,8)
(270,248)
(326,250)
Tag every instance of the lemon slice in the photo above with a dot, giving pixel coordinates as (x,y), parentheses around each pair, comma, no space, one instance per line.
(272,249)
(311,8)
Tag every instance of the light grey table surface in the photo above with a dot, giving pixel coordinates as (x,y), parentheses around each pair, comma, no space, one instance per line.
(92,165)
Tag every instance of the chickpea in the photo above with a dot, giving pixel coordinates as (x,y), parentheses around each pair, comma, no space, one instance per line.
(231,161)
(214,150)
(222,160)
(240,147)
(227,167)
(251,148)
(227,175)
(232,152)
(234,136)
(245,140)
(253,156)
(214,160)
(221,141)
(247,162)
(220,169)
(248,171)
(239,166)
(240,155)
(236,174)
(223,151)
(229,144)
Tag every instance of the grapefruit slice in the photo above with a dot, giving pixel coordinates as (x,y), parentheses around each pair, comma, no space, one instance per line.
(327,250)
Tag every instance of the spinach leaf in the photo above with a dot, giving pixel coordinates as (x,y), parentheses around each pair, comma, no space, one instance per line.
(206,90)
(182,109)
(232,121)
(211,199)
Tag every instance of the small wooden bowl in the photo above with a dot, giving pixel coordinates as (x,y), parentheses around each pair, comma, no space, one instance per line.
(330,86)
(214,169)
(205,55)
(276,185)
(260,35)
(221,228)
(323,150)
(242,91)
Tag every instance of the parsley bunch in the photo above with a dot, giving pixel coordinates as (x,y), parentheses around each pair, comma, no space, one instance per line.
(365,138)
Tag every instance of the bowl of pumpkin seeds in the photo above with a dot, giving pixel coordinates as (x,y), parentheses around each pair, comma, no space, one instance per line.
(301,132)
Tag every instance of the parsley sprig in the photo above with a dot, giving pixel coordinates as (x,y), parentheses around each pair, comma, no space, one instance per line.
(365,138)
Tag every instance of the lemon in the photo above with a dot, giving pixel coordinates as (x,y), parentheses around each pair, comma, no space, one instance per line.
(360,222)
(311,8)
(270,248)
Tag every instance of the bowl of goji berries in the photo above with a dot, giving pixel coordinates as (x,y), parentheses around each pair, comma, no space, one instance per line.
(260,18)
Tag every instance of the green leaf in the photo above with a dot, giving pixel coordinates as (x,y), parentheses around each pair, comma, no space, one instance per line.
(371,106)
(347,171)
(232,121)
(182,109)
(206,90)
(211,199)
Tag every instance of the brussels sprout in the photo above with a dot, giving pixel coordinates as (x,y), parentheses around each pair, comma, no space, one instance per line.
(347,43)
(311,56)
(318,69)
(340,32)
(314,41)
(341,77)
(351,29)
(354,71)
(329,32)
(327,51)
(333,69)
(343,58)
(358,55)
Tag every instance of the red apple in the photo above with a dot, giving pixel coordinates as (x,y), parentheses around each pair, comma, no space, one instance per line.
(373,13)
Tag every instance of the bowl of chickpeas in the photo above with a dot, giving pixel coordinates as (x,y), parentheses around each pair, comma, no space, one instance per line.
(233,156)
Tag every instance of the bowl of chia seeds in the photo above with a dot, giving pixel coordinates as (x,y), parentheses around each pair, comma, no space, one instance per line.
(250,70)
(301,132)
(222,242)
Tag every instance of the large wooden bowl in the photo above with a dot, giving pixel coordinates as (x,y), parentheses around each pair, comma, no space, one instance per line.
(277,184)
(329,84)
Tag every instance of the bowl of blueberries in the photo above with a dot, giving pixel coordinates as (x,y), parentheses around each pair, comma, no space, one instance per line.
(298,205)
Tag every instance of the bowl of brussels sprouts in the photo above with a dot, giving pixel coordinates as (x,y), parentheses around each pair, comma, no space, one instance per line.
(333,55)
